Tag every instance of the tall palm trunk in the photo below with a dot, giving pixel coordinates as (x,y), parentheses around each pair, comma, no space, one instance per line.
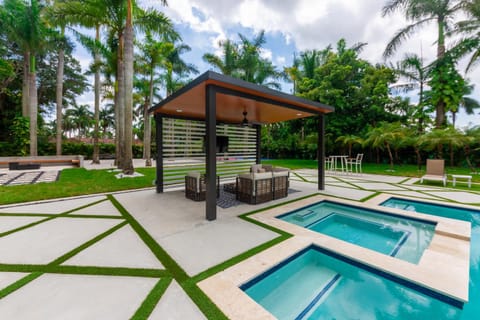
(128,45)
(120,106)
(440,107)
(96,133)
(59,96)
(147,127)
(32,105)
(25,84)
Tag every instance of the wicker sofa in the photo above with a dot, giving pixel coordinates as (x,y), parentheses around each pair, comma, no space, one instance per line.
(259,187)
(195,186)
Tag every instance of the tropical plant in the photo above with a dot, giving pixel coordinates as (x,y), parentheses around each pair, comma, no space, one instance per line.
(82,117)
(411,68)
(422,13)
(349,141)
(384,136)
(24,25)
(243,60)
(438,138)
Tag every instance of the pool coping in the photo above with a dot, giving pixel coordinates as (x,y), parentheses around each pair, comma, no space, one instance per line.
(443,268)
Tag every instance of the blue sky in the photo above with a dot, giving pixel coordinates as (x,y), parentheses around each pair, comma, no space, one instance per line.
(292,26)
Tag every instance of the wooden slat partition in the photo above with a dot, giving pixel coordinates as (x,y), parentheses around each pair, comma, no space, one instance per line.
(183,149)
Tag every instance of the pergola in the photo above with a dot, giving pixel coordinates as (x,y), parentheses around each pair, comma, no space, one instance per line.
(216,98)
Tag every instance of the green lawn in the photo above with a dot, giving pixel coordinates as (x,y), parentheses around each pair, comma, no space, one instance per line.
(79,181)
(74,182)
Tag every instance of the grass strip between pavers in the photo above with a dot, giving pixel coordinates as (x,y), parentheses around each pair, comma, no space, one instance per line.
(18,284)
(48,218)
(86,270)
(209,309)
(147,306)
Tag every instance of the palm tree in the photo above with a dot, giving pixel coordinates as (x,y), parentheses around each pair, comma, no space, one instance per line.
(421,13)
(412,68)
(24,26)
(349,140)
(107,119)
(228,62)
(467,103)
(82,117)
(384,136)
(437,138)
(469,29)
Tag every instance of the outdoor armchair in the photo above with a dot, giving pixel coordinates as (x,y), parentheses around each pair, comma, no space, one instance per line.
(254,188)
(195,186)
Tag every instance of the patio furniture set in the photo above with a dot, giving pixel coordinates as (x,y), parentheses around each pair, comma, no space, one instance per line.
(263,183)
(436,172)
(343,163)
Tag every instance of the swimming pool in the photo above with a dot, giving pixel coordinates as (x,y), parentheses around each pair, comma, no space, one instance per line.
(319,284)
(472,308)
(390,234)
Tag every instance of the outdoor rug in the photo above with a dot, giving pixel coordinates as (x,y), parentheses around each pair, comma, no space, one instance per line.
(228,200)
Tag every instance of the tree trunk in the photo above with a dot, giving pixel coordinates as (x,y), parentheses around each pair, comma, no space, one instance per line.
(59,98)
(33,107)
(378,155)
(128,45)
(390,155)
(419,158)
(454,118)
(440,107)
(451,156)
(147,127)
(25,85)
(97,84)
(120,105)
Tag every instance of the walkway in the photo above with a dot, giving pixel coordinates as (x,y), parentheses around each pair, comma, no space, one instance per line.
(138,254)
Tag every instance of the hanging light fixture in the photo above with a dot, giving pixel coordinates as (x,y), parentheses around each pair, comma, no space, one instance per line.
(245,120)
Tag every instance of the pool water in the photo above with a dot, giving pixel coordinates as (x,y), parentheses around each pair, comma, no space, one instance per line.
(471,309)
(386,233)
(319,284)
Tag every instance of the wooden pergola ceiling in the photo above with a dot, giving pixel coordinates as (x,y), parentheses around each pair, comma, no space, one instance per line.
(233,98)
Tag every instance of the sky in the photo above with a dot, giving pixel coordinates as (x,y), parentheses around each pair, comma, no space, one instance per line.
(293,26)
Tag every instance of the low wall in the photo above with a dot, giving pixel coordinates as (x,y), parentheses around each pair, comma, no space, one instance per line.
(75,161)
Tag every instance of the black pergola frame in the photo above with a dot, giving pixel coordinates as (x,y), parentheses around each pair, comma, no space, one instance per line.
(234,87)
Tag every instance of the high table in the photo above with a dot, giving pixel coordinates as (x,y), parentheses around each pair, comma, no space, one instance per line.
(335,166)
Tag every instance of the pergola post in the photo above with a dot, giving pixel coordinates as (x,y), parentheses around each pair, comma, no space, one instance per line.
(159,159)
(321,152)
(258,143)
(211,152)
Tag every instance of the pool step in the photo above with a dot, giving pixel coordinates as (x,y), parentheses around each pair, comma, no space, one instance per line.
(319,297)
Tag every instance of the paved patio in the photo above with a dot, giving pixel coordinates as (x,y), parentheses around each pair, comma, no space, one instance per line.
(84,258)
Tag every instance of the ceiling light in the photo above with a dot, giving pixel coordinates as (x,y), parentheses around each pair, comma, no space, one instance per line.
(299,114)
(179,110)
(244,121)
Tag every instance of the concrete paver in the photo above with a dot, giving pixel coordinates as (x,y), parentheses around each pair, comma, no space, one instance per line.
(378,186)
(62,296)
(123,248)
(47,241)
(51,206)
(353,194)
(105,208)
(9,223)
(459,196)
(206,246)
(7,278)
(176,305)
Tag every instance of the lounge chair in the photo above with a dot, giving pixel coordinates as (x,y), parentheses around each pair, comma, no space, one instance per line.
(435,171)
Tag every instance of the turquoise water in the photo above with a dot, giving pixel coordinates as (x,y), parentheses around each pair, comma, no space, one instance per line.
(471,309)
(316,285)
(403,238)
